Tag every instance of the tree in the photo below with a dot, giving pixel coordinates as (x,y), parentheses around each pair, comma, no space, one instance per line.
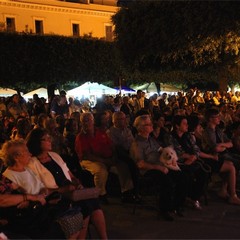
(29,61)
(200,38)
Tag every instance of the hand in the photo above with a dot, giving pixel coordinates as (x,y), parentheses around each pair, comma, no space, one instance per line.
(67,188)
(164,169)
(191,159)
(23,204)
(80,186)
(215,157)
(41,198)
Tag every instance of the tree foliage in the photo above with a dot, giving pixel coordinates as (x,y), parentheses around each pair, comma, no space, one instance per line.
(171,36)
(28,61)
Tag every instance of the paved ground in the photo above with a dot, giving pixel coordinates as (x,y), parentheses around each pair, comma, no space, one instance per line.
(218,220)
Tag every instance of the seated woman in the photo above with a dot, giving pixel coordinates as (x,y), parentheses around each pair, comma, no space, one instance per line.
(215,141)
(188,154)
(39,144)
(217,165)
(34,221)
(144,151)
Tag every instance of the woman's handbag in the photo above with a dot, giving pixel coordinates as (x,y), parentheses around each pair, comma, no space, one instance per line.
(71,221)
(83,194)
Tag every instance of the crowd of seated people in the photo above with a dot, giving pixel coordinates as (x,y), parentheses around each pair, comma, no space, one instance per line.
(72,145)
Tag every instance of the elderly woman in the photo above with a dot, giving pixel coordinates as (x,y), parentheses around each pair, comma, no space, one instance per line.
(144,151)
(12,225)
(35,221)
(39,144)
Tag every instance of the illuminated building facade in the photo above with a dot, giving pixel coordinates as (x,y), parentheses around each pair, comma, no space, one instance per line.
(59,17)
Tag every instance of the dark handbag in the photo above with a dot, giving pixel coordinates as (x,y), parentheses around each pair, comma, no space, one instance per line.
(71,221)
(83,194)
(204,166)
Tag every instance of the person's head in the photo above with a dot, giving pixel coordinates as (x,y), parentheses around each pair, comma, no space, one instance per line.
(15,98)
(15,152)
(194,124)
(42,118)
(76,116)
(119,120)
(180,123)
(23,127)
(71,126)
(63,93)
(164,96)
(51,125)
(212,116)
(70,100)
(35,97)
(38,140)
(139,93)
(154,97)
(87,121)
(125,99)
(102,119)
(143,124)
(160,120)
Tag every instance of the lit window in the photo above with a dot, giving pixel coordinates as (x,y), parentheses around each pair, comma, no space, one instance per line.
(109,33)
(10,23)
(75,30)
(39,26)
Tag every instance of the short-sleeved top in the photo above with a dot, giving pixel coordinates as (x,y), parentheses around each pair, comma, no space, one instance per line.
(26,180)
(211,137)
(145,149)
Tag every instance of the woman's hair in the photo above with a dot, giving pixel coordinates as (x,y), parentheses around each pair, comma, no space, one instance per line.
(33,140)
(23,127)
(177,120)
(193,122)
(10,150)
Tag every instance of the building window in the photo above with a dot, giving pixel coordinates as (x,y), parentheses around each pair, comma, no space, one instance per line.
(108,33)
(39,26)
(10,23)
(75,30)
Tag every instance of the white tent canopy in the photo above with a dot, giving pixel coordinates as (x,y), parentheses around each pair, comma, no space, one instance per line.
(41,92)
(7,92)
(147,87)
(151,88)
(88,89)
(165,87)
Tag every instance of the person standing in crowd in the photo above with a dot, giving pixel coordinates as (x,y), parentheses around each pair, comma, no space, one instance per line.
(138,102)
(16,107)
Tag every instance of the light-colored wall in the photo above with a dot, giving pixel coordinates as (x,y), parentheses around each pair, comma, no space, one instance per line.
(58,16)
